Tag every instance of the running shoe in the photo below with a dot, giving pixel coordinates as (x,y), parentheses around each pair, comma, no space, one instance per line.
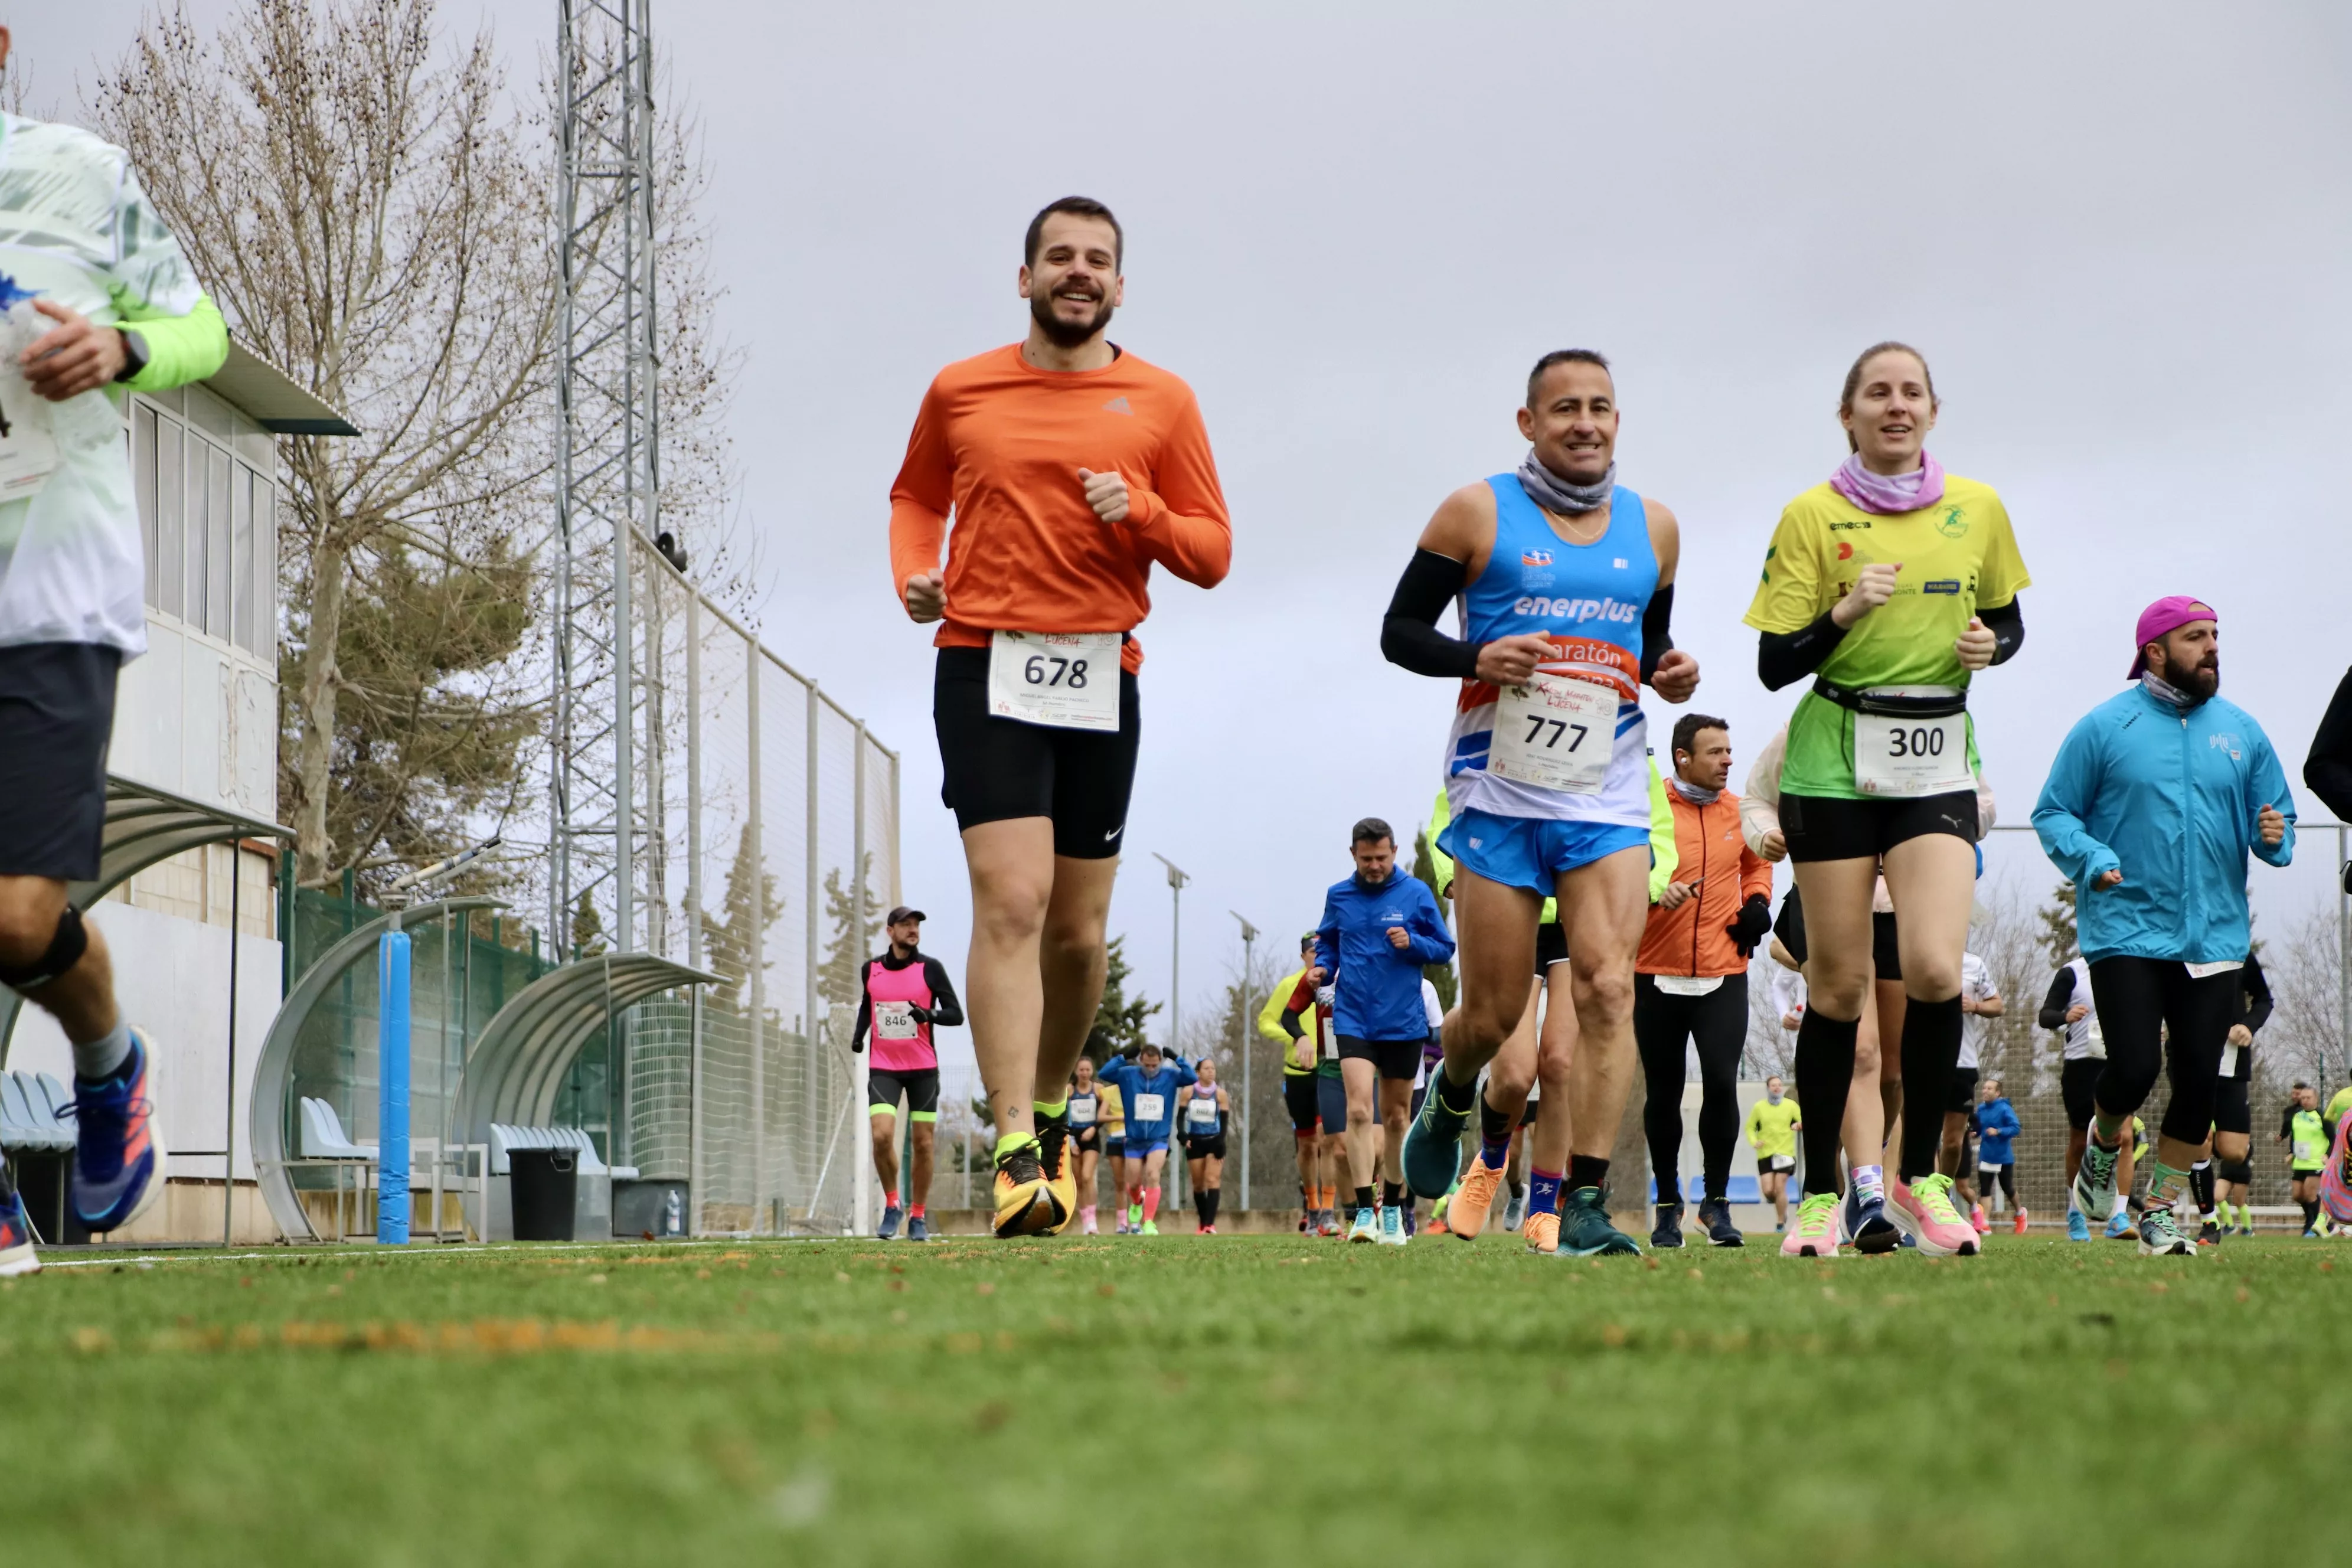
(1366,1228)
(118,1151)
(1543,1233)
(2209,1235)
(1466,1213)
(1976,1219)
(1516,1211)
(1086,1221)
(1585,1230)
(1668,1231)
(1329,1225)
(1863,1221)
(2159,1237)
(2336,1177)
(1714,1216)
(1813,1233)
(1392,1230)
(1433,1145)
(1151,1227)
(2077,1228)
(889,1225)
(1437,1226)
(2094,1181)
(917,1228)
(1924,1211)
(1023,1205)
(1060,1166)
(1412,1222)
(1134,1217)
(2017,1228)
(2120,1226)
(17,1254)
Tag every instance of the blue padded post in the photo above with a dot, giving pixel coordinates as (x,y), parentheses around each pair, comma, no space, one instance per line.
(391,1115)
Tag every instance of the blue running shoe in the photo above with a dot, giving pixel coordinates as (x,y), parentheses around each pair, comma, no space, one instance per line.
(891,1216)
(1585,1230)
(1864,1217)
(916,1229)
(2120,1226)
(16,1232)
(1432,1155)
(118,1151)
(2077,1228)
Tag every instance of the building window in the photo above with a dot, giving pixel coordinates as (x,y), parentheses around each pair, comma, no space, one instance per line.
(207,515)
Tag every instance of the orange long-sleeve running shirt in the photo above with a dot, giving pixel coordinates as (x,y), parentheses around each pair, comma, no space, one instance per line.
(1000,442)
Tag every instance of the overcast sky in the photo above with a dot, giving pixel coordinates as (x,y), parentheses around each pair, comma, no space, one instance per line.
(2119,231)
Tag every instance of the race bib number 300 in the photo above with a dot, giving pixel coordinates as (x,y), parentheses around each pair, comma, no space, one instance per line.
(1906,758)
(1069,680)
(1555,732)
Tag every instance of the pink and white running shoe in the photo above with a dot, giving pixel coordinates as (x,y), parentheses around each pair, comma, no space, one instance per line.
(1923,1211)
(1814,1229)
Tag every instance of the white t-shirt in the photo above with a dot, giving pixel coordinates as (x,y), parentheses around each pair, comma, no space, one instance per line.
(1976,985)
(1431,1005)
(2083,1039)
(1788,990)
(75,228)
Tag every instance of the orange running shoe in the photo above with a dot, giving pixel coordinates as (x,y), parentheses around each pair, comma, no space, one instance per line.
(1542,1231)
(1466,1212)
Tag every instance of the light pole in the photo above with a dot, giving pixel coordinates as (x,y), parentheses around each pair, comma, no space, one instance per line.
(1176,881)
(1249,943)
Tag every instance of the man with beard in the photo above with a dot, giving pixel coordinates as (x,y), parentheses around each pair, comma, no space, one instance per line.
(2152,806)
(1070,466)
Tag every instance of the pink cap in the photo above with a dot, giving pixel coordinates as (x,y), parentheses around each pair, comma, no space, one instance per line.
(2168,614)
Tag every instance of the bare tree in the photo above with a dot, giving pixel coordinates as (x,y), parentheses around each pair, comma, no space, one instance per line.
(2304,1038)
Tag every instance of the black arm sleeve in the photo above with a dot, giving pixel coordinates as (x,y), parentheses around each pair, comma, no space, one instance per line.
(864,1020)
(2053,1006)
(1408,636)
(1783,657)
(2007,624)
(1290,1024)
(947,1013)
(1656,641)
(2328,769)
(2253,995)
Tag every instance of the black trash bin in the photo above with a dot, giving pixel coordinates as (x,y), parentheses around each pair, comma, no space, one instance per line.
(546,1190)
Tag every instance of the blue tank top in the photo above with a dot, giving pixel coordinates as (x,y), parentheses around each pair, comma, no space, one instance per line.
(1203,1116)
(1587,599)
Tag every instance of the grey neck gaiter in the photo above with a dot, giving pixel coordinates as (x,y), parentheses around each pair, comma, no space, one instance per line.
(1548,489)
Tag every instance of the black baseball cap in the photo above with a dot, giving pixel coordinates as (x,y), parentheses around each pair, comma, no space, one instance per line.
(903,913)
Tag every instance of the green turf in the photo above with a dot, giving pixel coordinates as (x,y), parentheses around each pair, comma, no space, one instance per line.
(1179,1400)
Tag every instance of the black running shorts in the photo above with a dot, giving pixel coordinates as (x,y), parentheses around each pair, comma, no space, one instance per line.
(1829,828)
(1886,951)
(57,714)
(1394,1059)
(1087,1138)
(2078,1080)
(1205,1148)
(2233,1110)
(1298,1098)
(1962,1092)
(999,769)
(921,1087)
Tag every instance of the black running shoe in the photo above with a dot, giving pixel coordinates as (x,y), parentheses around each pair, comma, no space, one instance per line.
(1668,1231)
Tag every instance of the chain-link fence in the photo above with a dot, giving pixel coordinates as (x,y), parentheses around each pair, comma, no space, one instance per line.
(759,799)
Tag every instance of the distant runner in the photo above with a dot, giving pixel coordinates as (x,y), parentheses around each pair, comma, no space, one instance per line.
(2305,1132)
(1148,1085)
(1997,1127)
(1200,1113)
(2229,1176)
(1086,1138)
(2153,805)
(905,996)
(1072,468)
(1772,1125)
(1281,1021)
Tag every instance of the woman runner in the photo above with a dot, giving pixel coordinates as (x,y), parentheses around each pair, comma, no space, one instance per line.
(1891,584)
(1200,1113)
(1086,1139)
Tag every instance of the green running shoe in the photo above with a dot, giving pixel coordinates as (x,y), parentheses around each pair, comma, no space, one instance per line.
(1432,1155)
(2094,1182)
(1585,1230)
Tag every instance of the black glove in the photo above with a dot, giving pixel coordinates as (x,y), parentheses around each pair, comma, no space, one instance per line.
(1753,924)
(920,1014)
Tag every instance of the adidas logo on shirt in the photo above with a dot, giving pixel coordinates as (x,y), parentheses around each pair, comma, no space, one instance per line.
(1118,405)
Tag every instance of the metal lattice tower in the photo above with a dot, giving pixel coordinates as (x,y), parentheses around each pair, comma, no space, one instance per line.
(608,463)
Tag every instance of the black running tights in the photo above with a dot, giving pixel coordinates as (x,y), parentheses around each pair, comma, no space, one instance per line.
(2143,1000)
(1662,1024)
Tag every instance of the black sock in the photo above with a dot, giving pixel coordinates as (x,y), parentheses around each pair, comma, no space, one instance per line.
(1585,1171)
(1456,1098)
(1493,1127)
(1392,1195)
(1209,1206)
(2310,1212)
(1201,1205)
(1824,1075)
(1364,1197)
(1519,1187)
(2200,1186)
(1931,1051)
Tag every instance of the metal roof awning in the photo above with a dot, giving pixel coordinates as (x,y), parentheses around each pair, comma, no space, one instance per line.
(273,399)
(145,827)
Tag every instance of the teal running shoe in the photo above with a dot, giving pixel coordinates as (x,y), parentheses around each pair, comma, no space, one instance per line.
(1432,1155)
(2077,1228)
(1585,1230)
(2094,1182)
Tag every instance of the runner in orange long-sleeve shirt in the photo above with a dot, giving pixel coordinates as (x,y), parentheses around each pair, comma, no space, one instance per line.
(1070,467)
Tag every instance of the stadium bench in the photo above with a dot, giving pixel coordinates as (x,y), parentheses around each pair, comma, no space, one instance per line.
(591,1214)
(319,1140)
(36,1131)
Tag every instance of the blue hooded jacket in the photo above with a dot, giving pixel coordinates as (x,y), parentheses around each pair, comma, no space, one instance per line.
(1997,1123)
(1134,1083)
(1376,986)
(2172,799)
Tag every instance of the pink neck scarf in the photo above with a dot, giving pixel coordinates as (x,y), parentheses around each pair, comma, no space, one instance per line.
(1884,493)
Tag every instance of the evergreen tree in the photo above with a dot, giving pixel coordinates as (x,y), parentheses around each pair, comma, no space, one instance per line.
(733,940)
(849,947)
(2057,934)
(1424,870)
(1118,1022)
(587,930)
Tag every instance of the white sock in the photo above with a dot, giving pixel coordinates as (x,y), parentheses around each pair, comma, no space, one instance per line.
(98,1058)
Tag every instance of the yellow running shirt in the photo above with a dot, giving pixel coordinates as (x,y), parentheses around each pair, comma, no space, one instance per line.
(1956,558)
(1772,1129)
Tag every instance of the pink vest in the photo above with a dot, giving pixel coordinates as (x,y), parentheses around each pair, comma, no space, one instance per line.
(884,985)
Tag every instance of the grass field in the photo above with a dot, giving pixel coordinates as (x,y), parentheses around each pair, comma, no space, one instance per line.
(1178,1400)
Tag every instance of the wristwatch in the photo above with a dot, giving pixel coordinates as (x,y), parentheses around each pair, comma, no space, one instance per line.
(135,353)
